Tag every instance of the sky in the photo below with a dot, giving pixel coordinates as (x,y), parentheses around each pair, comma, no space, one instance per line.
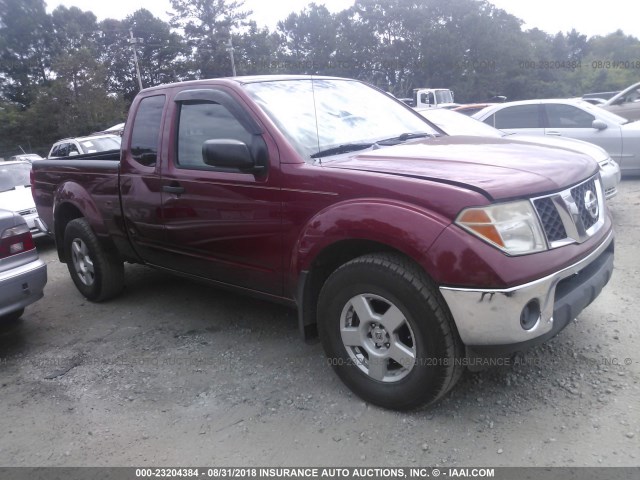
(552,16)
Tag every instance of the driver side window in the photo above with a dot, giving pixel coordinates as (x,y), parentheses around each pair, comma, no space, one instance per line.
(202,121)
(568,116)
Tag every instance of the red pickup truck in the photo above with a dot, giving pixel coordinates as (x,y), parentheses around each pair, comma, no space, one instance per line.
(409,252)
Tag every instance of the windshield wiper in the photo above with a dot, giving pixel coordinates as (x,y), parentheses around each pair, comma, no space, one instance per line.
(404,137)
(346,148)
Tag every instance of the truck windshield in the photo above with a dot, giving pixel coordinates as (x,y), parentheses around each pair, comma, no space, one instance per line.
(444,96)
(318,115)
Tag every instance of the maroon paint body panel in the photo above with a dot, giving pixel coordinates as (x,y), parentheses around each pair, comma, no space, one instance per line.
(260,231)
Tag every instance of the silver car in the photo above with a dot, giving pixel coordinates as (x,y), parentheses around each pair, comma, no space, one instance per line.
(22,274)
(453,123)
(572,119)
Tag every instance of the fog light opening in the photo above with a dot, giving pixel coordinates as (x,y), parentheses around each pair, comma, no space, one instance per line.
(530,315)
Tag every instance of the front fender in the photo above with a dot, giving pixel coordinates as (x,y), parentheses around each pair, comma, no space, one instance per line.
(401,226)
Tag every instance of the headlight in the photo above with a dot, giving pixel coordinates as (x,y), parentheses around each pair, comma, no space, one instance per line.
(512,227)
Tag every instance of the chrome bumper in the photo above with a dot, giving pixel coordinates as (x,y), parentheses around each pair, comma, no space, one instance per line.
(491,317)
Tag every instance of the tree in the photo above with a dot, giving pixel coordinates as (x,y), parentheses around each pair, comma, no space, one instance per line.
(24,49)
(308,40)
(255,51)
(612,62)
(77,100)
(162,56)
(72,30)
(207,26)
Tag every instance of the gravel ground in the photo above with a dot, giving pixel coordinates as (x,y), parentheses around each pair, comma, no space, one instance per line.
(176,373)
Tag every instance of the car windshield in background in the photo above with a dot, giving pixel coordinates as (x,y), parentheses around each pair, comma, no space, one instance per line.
(14,175)
(331,114)
(453,123)
(103,144)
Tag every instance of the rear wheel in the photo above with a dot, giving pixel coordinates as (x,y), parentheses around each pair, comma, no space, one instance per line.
(97,274)
(387,332)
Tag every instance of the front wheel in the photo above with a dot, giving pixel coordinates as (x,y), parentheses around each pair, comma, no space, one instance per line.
(387,332)
(97,274)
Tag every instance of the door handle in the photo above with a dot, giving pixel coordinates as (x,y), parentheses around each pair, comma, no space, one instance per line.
(173,188)
(553,132)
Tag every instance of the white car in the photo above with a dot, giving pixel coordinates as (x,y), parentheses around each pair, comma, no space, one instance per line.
(28,157)
(70,147)
(570,119)
(453,123)
(15,194)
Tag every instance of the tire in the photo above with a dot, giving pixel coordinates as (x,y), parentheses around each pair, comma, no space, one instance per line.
(12,316)
(387,332)
(97,274)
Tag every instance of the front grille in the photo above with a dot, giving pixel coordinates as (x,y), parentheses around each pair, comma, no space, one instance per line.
(565,216)
(578,194)
(551,221)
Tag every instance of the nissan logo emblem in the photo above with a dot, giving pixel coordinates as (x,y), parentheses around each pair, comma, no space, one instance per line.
(591,203)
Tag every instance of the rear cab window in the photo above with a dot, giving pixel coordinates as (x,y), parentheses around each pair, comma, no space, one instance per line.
(145,134)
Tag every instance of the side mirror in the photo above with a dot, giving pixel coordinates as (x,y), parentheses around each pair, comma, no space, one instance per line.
(73,154)
(599,125)
(227,153)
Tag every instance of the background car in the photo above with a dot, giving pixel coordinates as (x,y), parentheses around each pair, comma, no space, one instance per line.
(471,108)
(626,103)
(28,157)
(15,194)
(593,101)
(70,147)
(572,119)
(453,123)
(22,274)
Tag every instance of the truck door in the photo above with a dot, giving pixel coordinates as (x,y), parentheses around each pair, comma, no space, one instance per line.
(140,180)
(221,223)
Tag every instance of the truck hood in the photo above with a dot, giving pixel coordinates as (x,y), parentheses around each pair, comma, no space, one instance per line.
(499,168)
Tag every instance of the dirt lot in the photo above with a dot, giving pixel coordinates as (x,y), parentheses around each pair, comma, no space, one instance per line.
(176,373)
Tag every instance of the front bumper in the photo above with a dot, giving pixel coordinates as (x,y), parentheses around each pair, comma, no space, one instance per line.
(21,286)
(489,320)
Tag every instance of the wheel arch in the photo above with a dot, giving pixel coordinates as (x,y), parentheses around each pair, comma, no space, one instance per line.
(310,281)
(351,229)
(65,211)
